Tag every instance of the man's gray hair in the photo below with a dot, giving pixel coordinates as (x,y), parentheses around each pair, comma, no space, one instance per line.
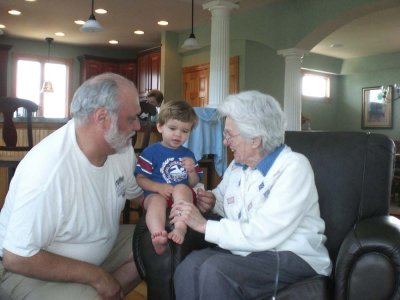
(98,91)
(256,115)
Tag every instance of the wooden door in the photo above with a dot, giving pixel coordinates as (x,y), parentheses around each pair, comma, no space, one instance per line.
(196,82)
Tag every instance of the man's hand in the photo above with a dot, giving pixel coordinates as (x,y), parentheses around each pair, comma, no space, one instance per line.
(107,286)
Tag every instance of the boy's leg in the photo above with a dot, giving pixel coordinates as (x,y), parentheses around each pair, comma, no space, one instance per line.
(155,206)
(185,193)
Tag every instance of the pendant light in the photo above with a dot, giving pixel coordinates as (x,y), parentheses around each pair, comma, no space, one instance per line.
(191,43)
(47,85)
(91,25)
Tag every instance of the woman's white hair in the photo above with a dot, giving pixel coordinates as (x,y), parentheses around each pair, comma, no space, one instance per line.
(256,115)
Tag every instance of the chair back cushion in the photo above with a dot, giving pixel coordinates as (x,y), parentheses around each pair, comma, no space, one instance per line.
(353,173)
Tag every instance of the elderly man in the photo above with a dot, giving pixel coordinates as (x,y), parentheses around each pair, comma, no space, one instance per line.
(60,236)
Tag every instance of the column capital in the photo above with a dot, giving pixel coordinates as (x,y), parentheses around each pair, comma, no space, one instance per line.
(292,52)
(220,5)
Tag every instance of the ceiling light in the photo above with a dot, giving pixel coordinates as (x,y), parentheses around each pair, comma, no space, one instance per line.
(59,34)
(191,43)
(30,0)
(79,22)
(138,32)
(162,23)
(101,11)
(2,26)
(14,12)
(114,42)
(47,85)
(91,24)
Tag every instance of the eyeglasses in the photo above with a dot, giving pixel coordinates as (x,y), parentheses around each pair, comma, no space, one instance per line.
(229,137)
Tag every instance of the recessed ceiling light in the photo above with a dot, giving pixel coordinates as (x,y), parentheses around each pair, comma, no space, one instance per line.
(79,22)
(2,26)
(162,23)
(138,32)
(30,0)
(60,33)
(114,42)
(14,12)
(336,46)
(101,11)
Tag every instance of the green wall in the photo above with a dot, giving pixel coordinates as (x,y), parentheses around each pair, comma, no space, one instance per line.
(60,50)
(367,72)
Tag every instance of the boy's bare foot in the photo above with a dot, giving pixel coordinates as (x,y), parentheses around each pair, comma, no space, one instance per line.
(177,235)
(159,240)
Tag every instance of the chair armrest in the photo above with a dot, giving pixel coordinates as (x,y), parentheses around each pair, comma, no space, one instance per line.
(368,263)
(158,270)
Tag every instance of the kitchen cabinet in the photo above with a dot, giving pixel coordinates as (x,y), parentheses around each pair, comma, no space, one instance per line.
(94,65)
(148,70)
(196,82)
(4,49)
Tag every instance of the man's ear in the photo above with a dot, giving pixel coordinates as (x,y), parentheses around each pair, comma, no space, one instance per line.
(256,142)
(101,117)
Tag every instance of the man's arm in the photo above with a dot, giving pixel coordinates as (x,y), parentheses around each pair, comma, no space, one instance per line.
(51,267)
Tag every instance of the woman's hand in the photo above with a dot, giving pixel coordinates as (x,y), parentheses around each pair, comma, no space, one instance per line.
(188,213)
(205,200)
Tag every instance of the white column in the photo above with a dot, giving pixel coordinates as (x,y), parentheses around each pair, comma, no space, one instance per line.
(219,52)
(292,94)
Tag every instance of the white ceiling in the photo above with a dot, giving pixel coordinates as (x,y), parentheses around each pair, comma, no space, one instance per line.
(375,33)
(43,18)
(372,34)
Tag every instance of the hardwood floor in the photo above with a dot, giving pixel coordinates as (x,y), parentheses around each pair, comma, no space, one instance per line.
(140,293)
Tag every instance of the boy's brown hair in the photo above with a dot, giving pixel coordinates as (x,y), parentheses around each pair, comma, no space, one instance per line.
(177,110)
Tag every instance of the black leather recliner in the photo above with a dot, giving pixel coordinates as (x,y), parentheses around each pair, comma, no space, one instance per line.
(353,173)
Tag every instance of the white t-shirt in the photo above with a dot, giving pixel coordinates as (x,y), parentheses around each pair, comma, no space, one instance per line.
(59,202)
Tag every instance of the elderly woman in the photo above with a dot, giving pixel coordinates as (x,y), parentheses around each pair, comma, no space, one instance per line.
(271,233)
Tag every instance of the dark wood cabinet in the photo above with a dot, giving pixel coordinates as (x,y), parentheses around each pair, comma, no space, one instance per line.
(94,65)
(148,64)
(4,49)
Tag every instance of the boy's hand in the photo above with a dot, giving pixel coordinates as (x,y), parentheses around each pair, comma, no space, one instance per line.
(165,190)
(188,164)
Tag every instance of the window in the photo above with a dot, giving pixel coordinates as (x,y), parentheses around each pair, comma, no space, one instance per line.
(31,72)
(315,85)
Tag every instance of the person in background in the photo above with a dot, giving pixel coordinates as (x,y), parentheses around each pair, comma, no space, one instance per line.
(155,98)
(271,234)
(167,172)
(60,236)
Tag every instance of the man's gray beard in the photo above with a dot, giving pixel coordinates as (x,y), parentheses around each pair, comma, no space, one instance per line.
(119,142)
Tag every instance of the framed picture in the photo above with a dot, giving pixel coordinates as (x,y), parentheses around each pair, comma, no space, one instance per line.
(377,108)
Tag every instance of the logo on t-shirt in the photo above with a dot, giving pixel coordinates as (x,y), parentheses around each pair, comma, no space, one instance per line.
(120,186)
(173,171)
